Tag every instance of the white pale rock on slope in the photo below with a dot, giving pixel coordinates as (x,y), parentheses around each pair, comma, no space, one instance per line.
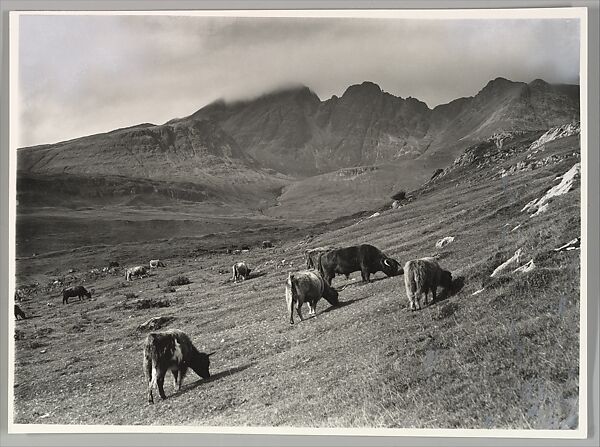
(525,268)
(443,242)
(515,259)
(571,245)
(566,184)
(555,133)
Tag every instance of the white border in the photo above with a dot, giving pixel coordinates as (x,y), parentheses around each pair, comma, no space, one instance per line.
(525,13)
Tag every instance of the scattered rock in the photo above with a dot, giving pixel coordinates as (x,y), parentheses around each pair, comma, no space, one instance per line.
(515,259)
(374,215)
(155,323)
(477,292)
(444,241)
(574,244)
(566,184)
(525,268)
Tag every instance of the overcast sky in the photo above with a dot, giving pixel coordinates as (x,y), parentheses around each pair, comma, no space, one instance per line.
(81,75)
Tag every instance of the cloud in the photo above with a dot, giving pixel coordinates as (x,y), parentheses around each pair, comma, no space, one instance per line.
(87,74)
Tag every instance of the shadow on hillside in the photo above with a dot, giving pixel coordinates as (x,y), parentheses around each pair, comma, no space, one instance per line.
(214,377)
(343,304)
(254,275)
(359,282)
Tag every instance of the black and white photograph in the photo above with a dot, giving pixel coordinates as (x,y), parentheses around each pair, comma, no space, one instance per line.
(299,221)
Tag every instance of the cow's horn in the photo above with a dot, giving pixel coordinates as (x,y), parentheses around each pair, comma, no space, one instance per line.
(386,262)
(211,353)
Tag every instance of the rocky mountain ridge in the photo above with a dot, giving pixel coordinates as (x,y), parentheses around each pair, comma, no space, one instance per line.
(293,132)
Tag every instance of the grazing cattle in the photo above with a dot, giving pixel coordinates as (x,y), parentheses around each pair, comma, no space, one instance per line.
(240,270)
(19,313)
(423,276)
(78,291)
(155,263)
(139,270)
(307,286)
(171,351)
(366,258)
(267,244)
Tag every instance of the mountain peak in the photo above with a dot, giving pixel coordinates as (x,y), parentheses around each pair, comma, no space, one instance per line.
(366,88)
(538,83)
(499,82)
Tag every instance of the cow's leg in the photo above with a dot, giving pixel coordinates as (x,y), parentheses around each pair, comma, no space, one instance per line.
(299,310)
(434,292)
(160,381)
(312,308)
(365,275)
(181,376)
(175,373)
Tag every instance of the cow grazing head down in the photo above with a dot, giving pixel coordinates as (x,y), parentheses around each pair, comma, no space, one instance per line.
(200,364)
(173,351)
(391,267)
(330,294)
(446,279)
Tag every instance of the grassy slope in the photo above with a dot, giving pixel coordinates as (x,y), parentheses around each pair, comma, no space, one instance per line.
(504,358)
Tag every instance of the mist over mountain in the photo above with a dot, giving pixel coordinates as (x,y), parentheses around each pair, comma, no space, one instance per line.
(292,132)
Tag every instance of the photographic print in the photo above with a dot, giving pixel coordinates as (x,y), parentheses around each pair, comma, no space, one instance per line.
(341,222)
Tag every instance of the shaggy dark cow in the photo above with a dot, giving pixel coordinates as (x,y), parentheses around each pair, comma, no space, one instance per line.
(423,276)
(267,244)
(171,351)
(112,264)
(78,291)
(307,286)
(240,270)
(365,257)
(19,313)
(313,258)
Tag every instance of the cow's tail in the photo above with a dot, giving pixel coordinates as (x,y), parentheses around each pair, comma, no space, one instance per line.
(150,354)
(291,295)
(411,279)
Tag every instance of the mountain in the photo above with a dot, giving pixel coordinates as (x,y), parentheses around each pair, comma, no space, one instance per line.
(291,131)
(294,132)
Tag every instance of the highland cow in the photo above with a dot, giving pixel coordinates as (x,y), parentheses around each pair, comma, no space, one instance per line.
(366,258)
(155,263)
(240,270)
(75,291)
(307,286)
(423,276)
(139,270)
(173,351)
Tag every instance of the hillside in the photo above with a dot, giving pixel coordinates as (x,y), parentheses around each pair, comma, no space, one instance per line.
(492,353)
